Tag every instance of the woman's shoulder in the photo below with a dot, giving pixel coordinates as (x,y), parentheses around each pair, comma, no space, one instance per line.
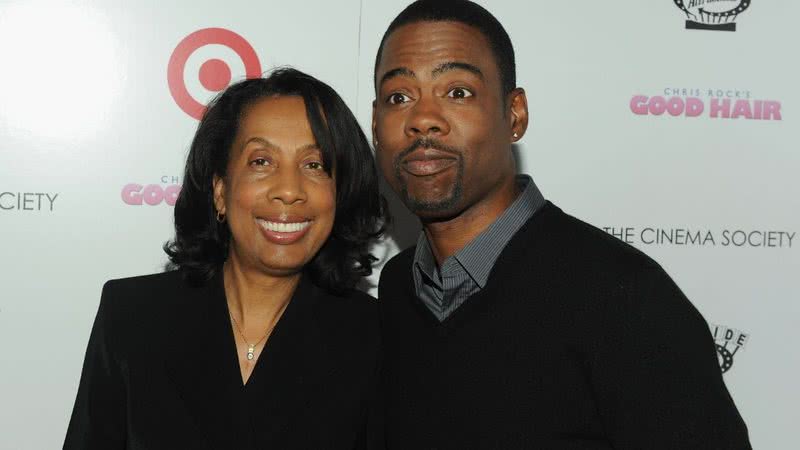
(350,326)
(150,307)
(353,310)
(160,280)
(353,303)
(144,287)
(133,296)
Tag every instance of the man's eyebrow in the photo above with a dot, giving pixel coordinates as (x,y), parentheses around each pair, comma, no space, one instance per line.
(397,72)
(456,65)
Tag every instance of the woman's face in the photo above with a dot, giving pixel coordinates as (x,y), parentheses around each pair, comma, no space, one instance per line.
(277,198)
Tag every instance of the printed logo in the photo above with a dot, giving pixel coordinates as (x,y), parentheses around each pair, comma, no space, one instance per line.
(711,103)
(703,237)
(152,194)
(715,15)
(28,201)
(214,74)
(728,342)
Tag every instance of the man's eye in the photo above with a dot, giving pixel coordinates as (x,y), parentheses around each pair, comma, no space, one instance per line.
(459,93)
(397,98)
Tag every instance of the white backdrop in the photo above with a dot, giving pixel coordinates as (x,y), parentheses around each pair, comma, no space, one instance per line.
(86,110)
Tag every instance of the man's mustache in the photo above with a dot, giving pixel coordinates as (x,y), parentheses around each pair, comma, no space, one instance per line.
(427,143)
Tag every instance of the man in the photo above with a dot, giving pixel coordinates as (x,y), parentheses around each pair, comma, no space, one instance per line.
(512,325)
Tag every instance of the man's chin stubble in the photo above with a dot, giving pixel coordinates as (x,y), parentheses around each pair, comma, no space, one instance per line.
(427,208)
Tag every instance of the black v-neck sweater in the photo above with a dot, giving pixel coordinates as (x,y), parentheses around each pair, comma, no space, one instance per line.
(577,341)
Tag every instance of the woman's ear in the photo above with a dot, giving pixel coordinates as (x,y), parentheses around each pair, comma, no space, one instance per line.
(218,185)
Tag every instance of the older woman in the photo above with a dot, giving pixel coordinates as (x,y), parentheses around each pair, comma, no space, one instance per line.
(258,339)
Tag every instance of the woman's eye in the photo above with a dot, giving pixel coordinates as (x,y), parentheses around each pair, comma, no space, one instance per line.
(260,162)
(459,93)
(315,165)
(397,98)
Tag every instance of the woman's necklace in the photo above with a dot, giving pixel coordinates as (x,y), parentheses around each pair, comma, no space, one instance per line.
(251,348)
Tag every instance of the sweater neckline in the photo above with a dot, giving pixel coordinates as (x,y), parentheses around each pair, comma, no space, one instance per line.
(518,243)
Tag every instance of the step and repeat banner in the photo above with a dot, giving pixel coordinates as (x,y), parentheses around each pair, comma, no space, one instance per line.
(670,124)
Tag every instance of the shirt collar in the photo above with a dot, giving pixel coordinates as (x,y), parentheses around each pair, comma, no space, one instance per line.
(424,260)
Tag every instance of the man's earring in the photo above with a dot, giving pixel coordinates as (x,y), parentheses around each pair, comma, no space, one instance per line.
(516,136)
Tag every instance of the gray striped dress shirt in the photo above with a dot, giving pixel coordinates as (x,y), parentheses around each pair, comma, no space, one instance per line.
(443,289)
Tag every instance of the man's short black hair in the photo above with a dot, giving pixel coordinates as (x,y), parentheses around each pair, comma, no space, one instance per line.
(201,243)
(468,13)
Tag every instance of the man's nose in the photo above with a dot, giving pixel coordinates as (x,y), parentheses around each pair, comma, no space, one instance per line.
(427,119)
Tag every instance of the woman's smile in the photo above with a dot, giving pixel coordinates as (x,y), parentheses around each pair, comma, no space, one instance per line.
(283,233)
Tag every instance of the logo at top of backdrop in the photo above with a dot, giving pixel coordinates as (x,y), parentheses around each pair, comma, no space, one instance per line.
(715,15)
(214,74)
(728,341)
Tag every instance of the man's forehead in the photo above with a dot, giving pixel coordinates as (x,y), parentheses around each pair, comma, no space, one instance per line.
(432,43)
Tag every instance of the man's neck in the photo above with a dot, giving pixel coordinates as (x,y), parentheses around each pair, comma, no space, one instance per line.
(447,237)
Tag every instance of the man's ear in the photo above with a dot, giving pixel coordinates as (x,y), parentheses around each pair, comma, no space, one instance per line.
(518,114)
(219,194)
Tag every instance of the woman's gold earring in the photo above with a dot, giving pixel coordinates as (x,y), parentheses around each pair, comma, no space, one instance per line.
(220,217)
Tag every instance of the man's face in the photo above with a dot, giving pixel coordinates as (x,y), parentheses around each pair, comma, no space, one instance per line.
(443,137)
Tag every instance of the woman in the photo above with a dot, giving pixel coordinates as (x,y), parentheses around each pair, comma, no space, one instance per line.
(258,339)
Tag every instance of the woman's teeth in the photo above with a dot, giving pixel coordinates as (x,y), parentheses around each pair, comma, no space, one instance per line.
(284,227)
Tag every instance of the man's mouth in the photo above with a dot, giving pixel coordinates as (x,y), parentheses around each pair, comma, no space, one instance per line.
(428,162)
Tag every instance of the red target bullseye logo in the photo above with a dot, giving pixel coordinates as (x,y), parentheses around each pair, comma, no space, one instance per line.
(214,74)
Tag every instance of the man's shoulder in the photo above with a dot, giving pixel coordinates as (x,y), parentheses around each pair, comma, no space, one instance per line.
(573,238)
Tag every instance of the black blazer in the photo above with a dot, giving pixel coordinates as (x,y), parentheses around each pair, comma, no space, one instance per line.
(161,372)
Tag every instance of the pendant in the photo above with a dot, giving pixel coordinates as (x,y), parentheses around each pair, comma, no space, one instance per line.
(250,351)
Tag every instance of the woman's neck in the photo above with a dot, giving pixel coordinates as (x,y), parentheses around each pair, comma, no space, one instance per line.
(253,296)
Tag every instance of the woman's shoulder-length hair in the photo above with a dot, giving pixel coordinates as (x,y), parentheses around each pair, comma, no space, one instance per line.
(201,243)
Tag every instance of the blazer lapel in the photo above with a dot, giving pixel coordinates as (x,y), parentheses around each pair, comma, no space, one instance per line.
(291,368)
(204,369)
